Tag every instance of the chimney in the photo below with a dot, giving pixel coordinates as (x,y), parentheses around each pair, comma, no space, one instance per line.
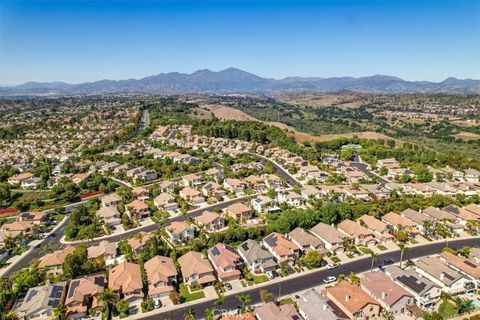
(384,295)
(347,298)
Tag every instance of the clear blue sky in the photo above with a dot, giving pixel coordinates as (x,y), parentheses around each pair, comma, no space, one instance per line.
(78,41)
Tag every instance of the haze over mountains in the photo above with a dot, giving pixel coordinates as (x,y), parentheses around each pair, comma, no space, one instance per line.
(233,80)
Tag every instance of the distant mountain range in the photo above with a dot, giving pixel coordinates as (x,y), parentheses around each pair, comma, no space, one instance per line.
(233,80)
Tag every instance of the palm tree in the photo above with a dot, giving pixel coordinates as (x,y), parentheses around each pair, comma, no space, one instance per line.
(374,258)
(189,315)
(59,311)
(108,298)
(210,313)
(221,300)
(244,299)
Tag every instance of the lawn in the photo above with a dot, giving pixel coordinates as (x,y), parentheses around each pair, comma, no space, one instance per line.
(287,301)
(335,259)
(187,296)
(447,309)
(365,250)
(254,279)
(381,247)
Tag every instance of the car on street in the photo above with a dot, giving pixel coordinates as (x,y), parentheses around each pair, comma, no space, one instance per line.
(387,262)
(329,279)
(332,265)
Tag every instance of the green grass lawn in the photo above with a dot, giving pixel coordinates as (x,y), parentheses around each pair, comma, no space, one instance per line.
(287,301)
(187,296)
(365,250)
(447,309)
(381,247)
(254,279)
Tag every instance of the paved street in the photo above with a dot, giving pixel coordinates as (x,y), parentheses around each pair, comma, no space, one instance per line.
(299,282)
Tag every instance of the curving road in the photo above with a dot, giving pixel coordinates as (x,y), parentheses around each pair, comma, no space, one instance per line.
(304,281)
(291,180)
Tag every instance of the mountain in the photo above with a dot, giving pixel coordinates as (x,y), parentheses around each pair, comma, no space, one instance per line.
(233,80)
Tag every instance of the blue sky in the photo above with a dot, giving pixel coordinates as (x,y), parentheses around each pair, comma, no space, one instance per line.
(76,41)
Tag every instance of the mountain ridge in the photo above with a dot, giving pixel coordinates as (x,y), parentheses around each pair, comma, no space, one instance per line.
(233,80)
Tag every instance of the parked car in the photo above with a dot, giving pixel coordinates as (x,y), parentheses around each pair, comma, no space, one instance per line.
(332,265)
(329,279)
(157,303)
(271,274)
(227,286)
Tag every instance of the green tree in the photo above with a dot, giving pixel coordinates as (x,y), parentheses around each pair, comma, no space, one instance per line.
(122,308)
(266,296)
(313,259)
(244,299)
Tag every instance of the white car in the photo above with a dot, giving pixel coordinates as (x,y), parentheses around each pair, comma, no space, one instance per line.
(329,279)
(270,275)
(332,265)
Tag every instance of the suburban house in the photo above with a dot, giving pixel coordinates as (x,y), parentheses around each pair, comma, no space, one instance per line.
(226,262)
(215,173)
(40,302)
(239,212)
(111,200)
(331,237)
(361,235)
(398,222)
(462,214)
(105,249)
(53,261)
(310,192)
(282,249)
(166,186)
(195,267)
(389,163)
(165,201)
(439,272)
(306,241)
(390,295)
(161,276)
(25,180)
(110,216)
(191,195)
(235,186)
(438,214)
(272,181)
(179,231)
(418,218)
(466,266)
(353,301)
(271,311)
(425,291)
(141,193)
(210,221)
(472,175)
(80,177)
(213,189)
(192,180)
(137,209)
(379,228)
(256,257)
(313,306)
(33,217)
(83,297)
(125,280)
(291,198)
(139,241)
(264,204)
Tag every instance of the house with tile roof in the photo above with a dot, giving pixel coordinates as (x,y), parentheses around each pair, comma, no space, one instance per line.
(226,261)
(195,267)
(330,236)
(353,301)
(390,295)
(40,302)
(125,279)
(361,235)
(282,249)
(83,297)
(161,276)
(210,221)
(256,257)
